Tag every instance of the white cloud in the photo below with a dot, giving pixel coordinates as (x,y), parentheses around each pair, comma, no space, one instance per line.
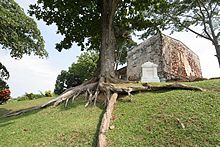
(30,74)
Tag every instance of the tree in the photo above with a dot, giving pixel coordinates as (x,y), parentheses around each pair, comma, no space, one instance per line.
(4,74)
(18,33)
(185,14)
(103,25)
(83,69)
(121,51)
(97,24)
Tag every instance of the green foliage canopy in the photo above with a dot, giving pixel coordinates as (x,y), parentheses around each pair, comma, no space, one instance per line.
(204,13)
(80,21)
(4,74)
(18,33)
(3,85)
(189,15)
(78,72)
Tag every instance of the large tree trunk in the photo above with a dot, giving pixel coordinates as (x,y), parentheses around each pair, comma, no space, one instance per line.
(108,42)
(217,48)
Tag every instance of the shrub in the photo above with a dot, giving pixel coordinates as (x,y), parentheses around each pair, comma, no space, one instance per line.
(4,95)
(29,96)
(48,93)
(4,92)
(32,96)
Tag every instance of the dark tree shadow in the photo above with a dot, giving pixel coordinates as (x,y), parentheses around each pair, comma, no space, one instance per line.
(95,137)
(4,121)
(71,105)
(81,102)
(4,111)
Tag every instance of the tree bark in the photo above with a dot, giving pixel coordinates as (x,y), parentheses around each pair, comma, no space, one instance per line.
(106,121)
(108,42)
(217,48)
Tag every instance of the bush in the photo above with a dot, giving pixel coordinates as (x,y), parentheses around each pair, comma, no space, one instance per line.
(4,92)
(30,96)
(48,93)
(4,95)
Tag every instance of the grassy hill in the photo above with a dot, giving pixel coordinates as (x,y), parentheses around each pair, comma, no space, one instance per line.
(53,126)
(163,118)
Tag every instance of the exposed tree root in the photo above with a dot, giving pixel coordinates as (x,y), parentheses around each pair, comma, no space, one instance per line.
(71,93)
(175,86)
(14,113)
(106,121)
(147,87)
(93,88)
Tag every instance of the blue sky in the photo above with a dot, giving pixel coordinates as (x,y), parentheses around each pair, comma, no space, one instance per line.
(32,74)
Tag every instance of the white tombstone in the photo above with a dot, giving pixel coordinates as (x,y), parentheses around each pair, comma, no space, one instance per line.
(149,72)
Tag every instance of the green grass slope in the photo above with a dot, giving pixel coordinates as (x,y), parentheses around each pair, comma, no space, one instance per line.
(150,119)
(53,126)
(171,118)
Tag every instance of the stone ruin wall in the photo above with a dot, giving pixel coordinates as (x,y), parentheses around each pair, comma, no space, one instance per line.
(174,59)
(179,61)
(149,50)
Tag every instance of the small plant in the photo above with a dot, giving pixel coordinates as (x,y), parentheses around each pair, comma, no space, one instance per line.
(48,93)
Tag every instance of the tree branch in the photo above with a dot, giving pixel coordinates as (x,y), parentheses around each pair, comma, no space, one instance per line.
(218,35)
(212,10)
(203,19)
(203,36)
(189,16)
(3,72)
(188,28)
(215,37)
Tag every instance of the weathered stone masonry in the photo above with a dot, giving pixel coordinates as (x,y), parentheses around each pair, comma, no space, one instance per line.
(174,59)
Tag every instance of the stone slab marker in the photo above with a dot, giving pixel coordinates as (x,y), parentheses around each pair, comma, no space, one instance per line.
(149,72)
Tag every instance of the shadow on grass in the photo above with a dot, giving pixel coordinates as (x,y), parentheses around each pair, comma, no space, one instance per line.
(7,120)
(165,91)
(96,135)
(80,102)
(77,103)
(74,104)
(4,111)
(4,121)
